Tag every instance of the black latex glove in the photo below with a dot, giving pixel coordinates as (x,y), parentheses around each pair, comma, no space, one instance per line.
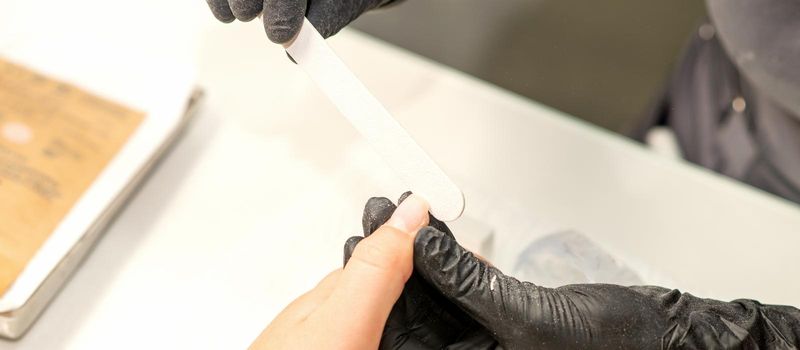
(521,315)
(422,318)
(283,18)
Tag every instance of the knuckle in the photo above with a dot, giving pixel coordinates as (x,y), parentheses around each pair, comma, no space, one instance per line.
(373,255)
(384,251)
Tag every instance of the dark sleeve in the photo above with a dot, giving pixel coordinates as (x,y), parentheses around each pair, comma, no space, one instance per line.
(696,323)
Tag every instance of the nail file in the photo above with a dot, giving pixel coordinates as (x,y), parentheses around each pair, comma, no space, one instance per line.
(386,136)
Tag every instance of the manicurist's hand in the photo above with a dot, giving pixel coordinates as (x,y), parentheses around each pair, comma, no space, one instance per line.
(283,18)
(523,315)
(348,308)
(455,300)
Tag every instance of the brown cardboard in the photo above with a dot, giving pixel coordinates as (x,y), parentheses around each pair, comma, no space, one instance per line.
(54,141)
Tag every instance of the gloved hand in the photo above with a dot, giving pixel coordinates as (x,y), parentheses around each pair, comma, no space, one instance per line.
(521,315)
(422,318)
(283,18)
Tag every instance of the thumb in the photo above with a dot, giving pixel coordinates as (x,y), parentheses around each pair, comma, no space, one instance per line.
(375,275)
(483,291)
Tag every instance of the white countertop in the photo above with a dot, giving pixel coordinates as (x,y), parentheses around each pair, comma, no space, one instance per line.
(252,206)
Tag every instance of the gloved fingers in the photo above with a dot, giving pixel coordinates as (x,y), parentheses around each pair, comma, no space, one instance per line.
(349,247)
(476,340)
(378,269)
(330,16)
(441,226)
(403,196)
(483,291)
(377,211)
(401,339)
(283,19)
(245,10)
(221,10)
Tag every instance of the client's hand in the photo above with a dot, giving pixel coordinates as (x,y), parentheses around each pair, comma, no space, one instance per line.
(422,318)
(348,308)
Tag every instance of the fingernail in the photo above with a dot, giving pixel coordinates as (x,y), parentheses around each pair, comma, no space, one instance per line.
(411,215)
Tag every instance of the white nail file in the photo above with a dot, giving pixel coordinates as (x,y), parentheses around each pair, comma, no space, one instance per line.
(376,125)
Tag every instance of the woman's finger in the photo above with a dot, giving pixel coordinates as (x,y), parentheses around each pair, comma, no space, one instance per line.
(374,277)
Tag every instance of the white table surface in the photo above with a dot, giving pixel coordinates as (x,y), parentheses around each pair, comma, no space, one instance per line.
(252,206)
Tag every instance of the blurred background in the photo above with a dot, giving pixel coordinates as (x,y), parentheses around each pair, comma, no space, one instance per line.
(602,61)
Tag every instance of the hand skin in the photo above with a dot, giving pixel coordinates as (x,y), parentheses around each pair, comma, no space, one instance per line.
(348,308)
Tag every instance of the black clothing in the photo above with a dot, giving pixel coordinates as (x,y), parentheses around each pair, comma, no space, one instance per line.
(726,124)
